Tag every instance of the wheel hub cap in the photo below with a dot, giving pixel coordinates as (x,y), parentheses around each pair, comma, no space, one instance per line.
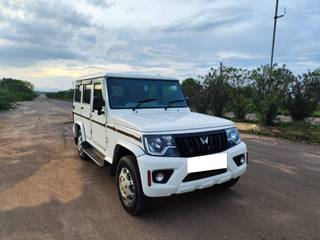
(126,186)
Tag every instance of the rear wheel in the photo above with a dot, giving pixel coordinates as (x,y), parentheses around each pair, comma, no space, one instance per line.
(229,183)
(82,154)
(129,186)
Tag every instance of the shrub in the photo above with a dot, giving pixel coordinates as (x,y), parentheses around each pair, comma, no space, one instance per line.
(270,88)
(5,99)
(240,93)
(12,90)
(304,95)
(61,95)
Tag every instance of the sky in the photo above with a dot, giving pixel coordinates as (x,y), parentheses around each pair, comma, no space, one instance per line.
(51,42)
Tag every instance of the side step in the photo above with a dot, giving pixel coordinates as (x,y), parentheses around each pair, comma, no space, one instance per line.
(93,153)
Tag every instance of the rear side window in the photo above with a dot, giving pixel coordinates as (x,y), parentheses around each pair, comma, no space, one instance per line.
(77,94)
(86,93)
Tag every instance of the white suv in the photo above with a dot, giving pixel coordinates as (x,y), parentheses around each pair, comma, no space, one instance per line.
(156,146)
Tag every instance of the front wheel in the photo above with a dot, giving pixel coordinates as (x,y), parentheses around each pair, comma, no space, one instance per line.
(129,186)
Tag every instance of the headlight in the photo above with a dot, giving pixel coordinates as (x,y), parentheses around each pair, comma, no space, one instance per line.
(160,145)
(233,136)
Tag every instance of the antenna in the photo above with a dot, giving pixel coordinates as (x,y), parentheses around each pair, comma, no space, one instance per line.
(276,16)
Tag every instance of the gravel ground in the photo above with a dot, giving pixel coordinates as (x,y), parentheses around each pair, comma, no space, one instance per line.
(46,192)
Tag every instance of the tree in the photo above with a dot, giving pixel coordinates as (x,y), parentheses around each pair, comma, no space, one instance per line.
(304,95)
(270,88)
(240,93)
(217,87)
(194,90)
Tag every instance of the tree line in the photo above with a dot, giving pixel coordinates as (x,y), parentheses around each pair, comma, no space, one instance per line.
(264,91)
(13,90)
(65,95)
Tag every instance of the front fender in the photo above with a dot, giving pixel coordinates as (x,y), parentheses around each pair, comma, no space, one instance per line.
(135,149)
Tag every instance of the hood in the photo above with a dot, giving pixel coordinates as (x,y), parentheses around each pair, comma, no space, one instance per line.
(170,121)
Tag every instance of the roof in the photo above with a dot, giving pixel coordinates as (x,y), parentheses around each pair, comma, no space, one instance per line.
(126,75)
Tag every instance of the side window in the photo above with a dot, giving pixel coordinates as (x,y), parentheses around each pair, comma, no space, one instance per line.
(86,93)
(97,92)
(77,93)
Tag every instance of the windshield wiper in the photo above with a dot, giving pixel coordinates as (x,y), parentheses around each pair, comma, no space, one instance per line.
(144,101)
(172,102)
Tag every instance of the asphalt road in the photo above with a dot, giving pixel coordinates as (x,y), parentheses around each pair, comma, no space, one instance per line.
(46,192)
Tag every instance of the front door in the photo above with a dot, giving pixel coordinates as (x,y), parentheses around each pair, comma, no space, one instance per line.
(98,121)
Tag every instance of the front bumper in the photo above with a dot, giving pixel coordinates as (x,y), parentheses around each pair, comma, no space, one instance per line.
(175,184)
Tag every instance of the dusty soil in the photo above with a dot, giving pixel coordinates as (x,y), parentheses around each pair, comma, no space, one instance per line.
(47,192)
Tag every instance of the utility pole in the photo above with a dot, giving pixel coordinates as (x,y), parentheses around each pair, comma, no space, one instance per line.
(274,30)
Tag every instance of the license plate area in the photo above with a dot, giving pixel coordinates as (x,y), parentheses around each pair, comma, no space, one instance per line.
(207,162)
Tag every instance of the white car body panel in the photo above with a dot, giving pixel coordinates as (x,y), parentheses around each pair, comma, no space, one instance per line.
(173,120)
(175,184)
(126,128)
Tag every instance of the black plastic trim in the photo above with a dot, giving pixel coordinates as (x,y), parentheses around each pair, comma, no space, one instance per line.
(81,115)
(101,124)
(199,175)
(237,159)
(124,133)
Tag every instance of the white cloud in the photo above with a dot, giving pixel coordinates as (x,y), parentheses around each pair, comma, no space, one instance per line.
(237,55)
(50,42)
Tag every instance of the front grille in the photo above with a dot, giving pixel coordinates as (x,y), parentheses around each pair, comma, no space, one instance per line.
(192,145)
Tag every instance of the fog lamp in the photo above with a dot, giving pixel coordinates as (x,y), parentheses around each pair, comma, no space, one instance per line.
(242,159)
(159,177)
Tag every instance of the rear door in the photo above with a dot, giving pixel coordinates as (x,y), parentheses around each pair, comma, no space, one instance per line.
(98,121)
(77,100)
(86,108)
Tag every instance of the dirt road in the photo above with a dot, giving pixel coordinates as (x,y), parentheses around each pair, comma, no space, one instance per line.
(46,192)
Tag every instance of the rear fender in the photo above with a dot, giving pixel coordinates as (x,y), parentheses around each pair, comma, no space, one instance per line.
(79,126)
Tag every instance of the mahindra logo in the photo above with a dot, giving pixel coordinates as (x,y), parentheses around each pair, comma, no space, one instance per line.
(204,140)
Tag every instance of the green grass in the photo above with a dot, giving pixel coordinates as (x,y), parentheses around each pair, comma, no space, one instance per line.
(61,95)
(297,131)
(317,112)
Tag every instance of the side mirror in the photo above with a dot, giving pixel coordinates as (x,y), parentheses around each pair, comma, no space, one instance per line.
(188,100)
(97,105)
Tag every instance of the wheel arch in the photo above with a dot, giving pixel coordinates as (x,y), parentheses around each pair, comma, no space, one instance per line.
(79,127)
(121,149)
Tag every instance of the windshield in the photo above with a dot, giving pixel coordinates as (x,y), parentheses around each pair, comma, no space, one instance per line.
(127,93)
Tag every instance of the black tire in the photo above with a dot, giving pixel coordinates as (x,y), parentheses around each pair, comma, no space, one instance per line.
(229,183)
(82,154)
(138,202)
